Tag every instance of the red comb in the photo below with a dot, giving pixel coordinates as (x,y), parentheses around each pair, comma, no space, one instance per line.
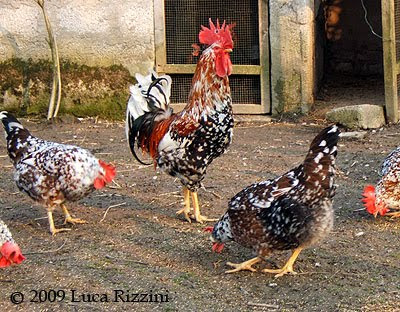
(217,247)
(221,34)
(11,253)
(369,201)
(110,171)
(208,229)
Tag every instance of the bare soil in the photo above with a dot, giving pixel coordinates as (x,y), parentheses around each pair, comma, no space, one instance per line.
(141,246)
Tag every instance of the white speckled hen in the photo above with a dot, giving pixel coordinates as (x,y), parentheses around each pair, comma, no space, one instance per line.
(10,253)
(52,173)
(290,212)
(184,144)
(386,196)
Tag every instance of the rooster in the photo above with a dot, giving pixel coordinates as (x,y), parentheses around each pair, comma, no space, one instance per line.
(9,250)
(184,144)
(292,211)
(52,173)
(386,196)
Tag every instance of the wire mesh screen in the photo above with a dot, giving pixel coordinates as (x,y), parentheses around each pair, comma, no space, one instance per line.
(397,27)
(245,88)
(184,17)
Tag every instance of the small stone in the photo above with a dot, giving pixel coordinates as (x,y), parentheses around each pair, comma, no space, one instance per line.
(353,134)
(365,116)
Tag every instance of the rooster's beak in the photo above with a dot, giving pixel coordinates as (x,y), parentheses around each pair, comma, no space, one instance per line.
(228,50)
(376,213)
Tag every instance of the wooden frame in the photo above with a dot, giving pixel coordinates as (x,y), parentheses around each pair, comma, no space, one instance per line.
(390,64)
(262,70)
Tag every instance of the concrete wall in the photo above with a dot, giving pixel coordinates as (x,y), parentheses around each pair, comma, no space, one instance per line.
(96,32)
(292,54)
(91,32)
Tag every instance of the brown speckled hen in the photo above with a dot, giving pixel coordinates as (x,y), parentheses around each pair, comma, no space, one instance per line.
(184,144)
(290,212)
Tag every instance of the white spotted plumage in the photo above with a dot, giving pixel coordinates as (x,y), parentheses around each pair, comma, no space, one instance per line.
(49,171)
(292,210)
(5,234)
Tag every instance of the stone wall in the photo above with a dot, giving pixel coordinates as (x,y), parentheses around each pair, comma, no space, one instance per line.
(92,32)
(103,33)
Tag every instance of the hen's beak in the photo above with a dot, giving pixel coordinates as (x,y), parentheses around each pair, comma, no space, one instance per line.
(228,50)
(376,213)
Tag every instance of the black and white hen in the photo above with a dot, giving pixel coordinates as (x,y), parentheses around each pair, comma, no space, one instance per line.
(51,173)
(290,212)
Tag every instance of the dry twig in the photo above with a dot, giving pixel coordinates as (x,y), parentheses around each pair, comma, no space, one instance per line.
(46,251)
(112,206)
(263,305)
(56,85)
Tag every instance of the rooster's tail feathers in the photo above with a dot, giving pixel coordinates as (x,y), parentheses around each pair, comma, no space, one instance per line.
(151,93)
(147,106)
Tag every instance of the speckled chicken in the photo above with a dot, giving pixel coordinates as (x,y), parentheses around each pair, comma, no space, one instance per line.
(52,173)
(10,253)
(185,144)
(386,196)
(290,212)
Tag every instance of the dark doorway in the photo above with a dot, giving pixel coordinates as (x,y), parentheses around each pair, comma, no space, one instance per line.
(349,63)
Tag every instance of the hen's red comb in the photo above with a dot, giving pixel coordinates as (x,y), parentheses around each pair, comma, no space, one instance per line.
(221,34)
(208,229)
(369,201)
(217,247)
(110,171)
(11,253)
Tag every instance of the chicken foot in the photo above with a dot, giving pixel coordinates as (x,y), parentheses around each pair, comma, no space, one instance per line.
(197,216)
(69,219)
(53,229)
(288,267)
(196,209)
(246,265)
(186,209)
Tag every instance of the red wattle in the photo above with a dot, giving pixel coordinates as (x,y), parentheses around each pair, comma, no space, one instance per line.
(217,247)
(99,183)
(4,262)
(223,64)
(208,229)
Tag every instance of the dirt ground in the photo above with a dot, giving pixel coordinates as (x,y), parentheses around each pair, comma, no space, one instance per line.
(141,246)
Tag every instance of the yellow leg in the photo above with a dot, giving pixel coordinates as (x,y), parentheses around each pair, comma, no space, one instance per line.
(53,229)
(69,219)
(247,265)
(288,267)
(394,214)
(199,218)
(186,210)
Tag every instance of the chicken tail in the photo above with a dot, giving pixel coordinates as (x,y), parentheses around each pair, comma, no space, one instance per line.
(10,123)
(319,165)
(16,135)
(148,106)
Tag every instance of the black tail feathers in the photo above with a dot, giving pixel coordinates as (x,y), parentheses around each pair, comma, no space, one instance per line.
(10,123)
